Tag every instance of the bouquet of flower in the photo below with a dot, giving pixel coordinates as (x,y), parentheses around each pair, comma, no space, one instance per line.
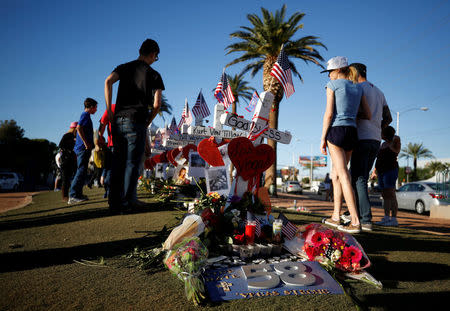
(333,249)
(212,200)
(186,260)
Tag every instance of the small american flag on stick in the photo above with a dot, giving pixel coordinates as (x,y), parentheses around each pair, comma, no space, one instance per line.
(173,126)
(200,109)
(289,229)
(282,72)
(223,92)
(252,217)
(186,116)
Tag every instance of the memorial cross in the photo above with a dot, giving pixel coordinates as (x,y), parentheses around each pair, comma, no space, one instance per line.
(257,130)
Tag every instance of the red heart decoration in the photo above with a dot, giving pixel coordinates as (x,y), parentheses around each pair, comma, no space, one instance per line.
(171,155)
(250,161)
(187,149)
(209,151)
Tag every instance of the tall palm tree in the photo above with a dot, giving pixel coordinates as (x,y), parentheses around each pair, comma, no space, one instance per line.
(415,151)
(261,45)
(240,89)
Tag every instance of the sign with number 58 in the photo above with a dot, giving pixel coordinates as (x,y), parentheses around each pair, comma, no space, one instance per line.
(278,279)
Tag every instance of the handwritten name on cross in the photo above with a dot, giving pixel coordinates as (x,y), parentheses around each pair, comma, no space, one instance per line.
(259,124)
(216,130)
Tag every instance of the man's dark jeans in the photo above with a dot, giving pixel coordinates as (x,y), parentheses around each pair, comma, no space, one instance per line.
(76,188)
(361,163)
(129,145)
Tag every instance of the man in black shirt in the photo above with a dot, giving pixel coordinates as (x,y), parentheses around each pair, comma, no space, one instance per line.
(138,101)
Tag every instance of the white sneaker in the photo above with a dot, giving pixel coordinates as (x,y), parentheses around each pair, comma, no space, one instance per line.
(73,200)
(346,218)
(383,221)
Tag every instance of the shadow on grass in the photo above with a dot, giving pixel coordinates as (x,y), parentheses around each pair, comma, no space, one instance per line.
(71,216)
(406,301)
(27,260)
(391,273)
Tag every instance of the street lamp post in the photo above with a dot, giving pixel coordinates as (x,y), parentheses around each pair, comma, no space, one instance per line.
(398,117)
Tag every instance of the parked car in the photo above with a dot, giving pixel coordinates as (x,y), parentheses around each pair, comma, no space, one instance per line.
(292,186)
(9,181)
(418,196)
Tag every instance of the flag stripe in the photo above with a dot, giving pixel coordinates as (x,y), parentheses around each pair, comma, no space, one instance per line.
(289,229)
(223,92)
(282,72)
(253,102)
(186,116)
(200,108)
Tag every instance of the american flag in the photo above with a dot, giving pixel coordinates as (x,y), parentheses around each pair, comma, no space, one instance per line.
(289,229)
(252,104)
(223,92)
(173,126)
(200,109)
(186,116)
(282,72)
(252,217)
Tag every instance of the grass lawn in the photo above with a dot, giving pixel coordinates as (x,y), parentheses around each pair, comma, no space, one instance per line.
(40,242)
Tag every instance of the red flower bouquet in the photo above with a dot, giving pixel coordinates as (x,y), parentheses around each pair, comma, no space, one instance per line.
(333,249)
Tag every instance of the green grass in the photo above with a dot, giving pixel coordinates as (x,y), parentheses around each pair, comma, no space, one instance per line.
(40,242)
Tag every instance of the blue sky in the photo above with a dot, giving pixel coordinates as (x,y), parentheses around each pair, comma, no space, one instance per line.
(56,53)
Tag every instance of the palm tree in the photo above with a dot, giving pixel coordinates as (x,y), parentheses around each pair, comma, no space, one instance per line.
(436,166)
(165,107)
(240,89)
(415,151)
(261,44)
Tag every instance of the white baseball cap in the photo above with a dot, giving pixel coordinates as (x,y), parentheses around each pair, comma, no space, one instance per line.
(336,63)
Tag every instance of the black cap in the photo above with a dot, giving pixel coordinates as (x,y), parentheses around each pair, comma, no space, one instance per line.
(361,68)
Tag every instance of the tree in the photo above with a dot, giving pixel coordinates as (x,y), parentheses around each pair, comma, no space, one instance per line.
(10,132)
(165,107)
(436,166)
(415,151)
(240,89)
(261,44)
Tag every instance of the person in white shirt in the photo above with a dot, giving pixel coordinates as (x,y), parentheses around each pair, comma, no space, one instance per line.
(369,138)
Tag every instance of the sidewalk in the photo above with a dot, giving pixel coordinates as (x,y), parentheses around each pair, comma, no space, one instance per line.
(14,200)
(406,219)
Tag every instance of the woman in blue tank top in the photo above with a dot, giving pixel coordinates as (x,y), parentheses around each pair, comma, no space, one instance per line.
(345,102)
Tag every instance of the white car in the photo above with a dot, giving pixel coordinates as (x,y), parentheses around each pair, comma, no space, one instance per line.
(418,196)
(292,186)
(9,181)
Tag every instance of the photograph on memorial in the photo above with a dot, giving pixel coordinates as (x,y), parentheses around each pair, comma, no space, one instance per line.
(217,180)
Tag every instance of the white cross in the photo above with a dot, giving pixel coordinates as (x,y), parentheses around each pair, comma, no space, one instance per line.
(257,128)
